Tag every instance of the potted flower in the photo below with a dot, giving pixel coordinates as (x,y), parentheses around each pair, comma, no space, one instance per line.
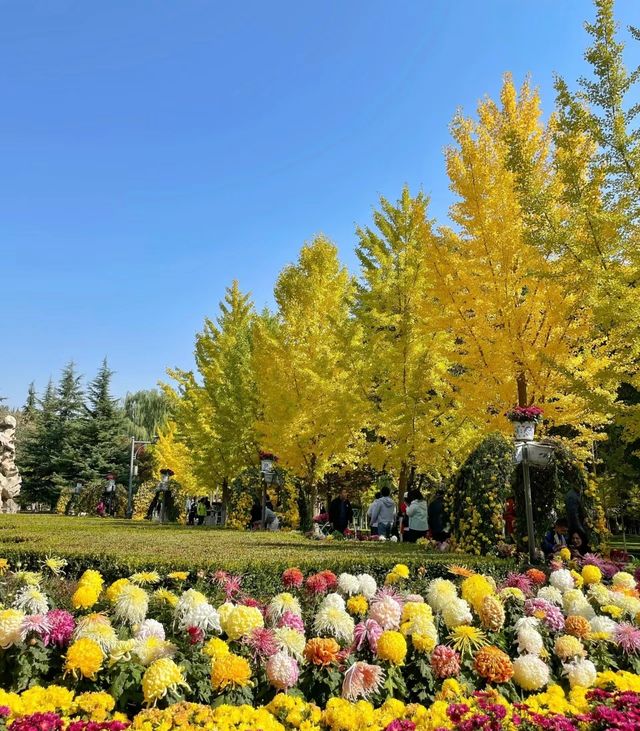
(524,420)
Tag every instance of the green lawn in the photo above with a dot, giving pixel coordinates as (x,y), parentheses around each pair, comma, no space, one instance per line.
(110,542)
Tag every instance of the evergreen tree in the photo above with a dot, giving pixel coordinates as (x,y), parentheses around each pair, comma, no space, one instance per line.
(68,426)
(30,407)
(103,430)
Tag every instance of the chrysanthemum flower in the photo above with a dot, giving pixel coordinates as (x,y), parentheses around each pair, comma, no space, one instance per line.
(282,671)
(55,565)
(362,680)
(152,648)
(193,610)
(178,576)
(292,578)
(493,665)
(386,611)
(562,580)
(551,595)
(627,638)
(61,627)
(291,620)
(577,626)
(440,592)
(84,658)
(262,642)
(491,613)
(538,577)
(357,605)
(241,621)
(367,633)
(31,600)
(392,647)
(96,627)
(528,638)
(530,672)
(591,574)
(348,584)
(290,640)
(159,678)
(144,578)
(333,600)
(581,673)
(164,596)
(519,581)
(568,647)
(321,651)
(37,624)
(367,585)
(281,603)
(334,622)
(425,641)
(548,613)
(150,628)
(10,627)
(132,604)
(474,589)
(623,580)
(230,671)
(467,639)
(113,591)
(445,662)
(456,612)
(605,625)
(316,584)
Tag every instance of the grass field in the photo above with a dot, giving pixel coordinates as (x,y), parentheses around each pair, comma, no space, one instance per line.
(144,543)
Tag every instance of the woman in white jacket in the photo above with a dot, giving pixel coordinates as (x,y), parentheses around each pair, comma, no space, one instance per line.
(418,514)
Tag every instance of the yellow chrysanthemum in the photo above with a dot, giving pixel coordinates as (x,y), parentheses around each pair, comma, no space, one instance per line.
(216,648)
(423,643)
(577,578)
(392,647)
(84,657)
(4,566)
(565,554)
(164,596)
(402,570)
(591,575)
(178,575)
(114,590)
(357,605)
(97,706)
(240,621)
(85,596)
(612,611)
(142,578)
(160,677)
(474,589)
(230,671)
(55,565)
(466,638)
(568,647)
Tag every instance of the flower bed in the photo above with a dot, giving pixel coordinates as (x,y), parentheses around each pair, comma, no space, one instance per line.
(454,649)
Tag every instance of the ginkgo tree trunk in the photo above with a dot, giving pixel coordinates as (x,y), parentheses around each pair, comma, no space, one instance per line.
(302,363)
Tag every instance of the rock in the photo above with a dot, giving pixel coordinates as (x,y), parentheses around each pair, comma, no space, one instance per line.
(10,479)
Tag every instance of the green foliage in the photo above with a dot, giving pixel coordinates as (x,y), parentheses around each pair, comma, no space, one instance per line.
(146,413)
(478,495)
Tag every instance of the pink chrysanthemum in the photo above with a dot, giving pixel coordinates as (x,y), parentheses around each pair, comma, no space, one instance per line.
(362,680)
(547,612)
(292,578)
(61,627)
(390,592)
(627,638)
(367,632)
(262,642)
(231,586)
(386,611)
(316,584)
(282,670)
(291,620)
(519,581)
(445,662)
(38,623)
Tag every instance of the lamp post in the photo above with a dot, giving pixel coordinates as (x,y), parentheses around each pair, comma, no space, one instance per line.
(268,476)
(163,490)
(136,446)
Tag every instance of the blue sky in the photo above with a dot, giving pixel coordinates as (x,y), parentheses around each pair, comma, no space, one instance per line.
(154,151)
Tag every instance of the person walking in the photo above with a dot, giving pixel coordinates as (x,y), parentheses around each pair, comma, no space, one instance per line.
(373,525)
(574,509)
(384,513)
(202,511)
(340,512)
(437,517)
(418,515)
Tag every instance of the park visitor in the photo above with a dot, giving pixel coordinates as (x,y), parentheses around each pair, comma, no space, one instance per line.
(575,511)
(202,511)
(340,512)
(373,526)
(192,514)
(578,544)
(437,517)
(100,509)
(556,538)
(383,513)
(418,515)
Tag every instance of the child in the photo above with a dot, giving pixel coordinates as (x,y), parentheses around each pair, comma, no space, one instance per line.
(556,538)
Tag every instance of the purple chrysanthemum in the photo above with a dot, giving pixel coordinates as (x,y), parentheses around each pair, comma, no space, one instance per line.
(62,625)
(627,638)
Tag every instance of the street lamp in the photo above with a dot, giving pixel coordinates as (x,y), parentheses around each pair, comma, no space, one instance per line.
(268,475)
(163,489)
(136,446)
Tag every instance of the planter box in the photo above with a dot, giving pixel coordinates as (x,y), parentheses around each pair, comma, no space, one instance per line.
(524,431)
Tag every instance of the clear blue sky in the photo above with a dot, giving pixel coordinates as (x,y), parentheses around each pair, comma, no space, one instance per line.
(153,151)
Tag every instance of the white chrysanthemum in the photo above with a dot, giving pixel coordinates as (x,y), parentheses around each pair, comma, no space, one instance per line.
(152,648)
(456,612)
(440,592)
(193,610)
(528,639)
(132,604)
(604,624)
(600,594)
(31,600)
(562,580)
(291,641)
(11,632)
(574,602)
(551,594)
(150,628)
(334,622)
(367,585)
(623,580)
(386,611)
(581,672)
(121,652)
(282,603)
(629,604)
(98,628)
(333,600)
(348,584)
(530,672)
(420,624)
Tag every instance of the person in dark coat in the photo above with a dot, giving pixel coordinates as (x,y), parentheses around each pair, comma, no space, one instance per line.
(340,512)
(555,539)
(575,511)
(438,518)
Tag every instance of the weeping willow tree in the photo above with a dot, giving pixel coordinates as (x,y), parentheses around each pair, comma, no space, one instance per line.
(146,413)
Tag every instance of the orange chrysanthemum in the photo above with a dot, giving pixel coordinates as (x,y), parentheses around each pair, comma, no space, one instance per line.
(458,570)
(493,665)
(577,626)
(538,577)
(321,651)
